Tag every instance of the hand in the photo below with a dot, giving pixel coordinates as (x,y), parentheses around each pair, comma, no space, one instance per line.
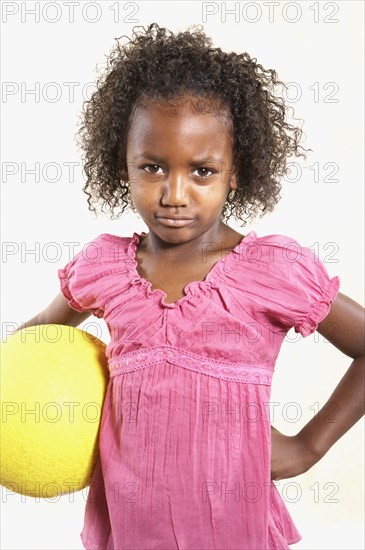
(289,455)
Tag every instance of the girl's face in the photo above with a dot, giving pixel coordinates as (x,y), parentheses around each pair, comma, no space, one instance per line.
(180,164)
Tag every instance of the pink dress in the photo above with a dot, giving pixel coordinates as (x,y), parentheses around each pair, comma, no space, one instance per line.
(185,441)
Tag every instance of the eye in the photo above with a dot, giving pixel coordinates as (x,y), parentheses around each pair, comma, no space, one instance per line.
(206,170)
(153,169)
(149,166)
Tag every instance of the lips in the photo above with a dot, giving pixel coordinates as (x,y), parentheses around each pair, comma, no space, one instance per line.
(175,221)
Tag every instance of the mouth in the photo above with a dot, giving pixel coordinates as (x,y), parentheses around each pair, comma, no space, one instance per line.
(175,221)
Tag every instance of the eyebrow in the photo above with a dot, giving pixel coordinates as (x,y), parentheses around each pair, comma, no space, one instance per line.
(196,162)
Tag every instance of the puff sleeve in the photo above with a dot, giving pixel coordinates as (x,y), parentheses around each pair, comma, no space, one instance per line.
(317,291)
(81,278)
(303,286)
(279,284)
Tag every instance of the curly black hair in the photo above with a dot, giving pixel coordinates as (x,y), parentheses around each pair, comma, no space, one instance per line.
(160,65)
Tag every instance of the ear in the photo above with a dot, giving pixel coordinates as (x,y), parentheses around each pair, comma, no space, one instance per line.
(233,180)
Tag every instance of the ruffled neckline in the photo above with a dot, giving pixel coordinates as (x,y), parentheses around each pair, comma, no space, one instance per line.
(213,277)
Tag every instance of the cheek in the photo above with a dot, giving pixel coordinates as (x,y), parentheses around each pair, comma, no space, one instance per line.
(212,194)
(143,196)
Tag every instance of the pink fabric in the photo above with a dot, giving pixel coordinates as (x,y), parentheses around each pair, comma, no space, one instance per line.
(185,439)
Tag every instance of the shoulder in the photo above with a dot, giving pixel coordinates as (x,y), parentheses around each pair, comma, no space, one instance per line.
(105,247)
(289,259)
(276,241)
(108,239)
(274,251)
(286,252)
(102,256)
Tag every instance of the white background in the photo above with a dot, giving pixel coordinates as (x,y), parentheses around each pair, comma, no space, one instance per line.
(325,215)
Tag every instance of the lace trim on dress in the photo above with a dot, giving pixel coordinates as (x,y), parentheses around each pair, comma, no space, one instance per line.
(142,358)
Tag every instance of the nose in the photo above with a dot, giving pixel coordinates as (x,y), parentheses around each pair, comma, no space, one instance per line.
(174,191)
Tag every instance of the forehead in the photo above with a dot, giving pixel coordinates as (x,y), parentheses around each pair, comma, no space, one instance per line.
(183,121)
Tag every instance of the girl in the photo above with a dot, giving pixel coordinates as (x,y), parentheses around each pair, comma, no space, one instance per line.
(187,136)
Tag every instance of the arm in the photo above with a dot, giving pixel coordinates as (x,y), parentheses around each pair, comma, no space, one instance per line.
(344,327)
(57,312)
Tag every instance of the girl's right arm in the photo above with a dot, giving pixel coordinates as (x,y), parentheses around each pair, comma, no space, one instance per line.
(57,312)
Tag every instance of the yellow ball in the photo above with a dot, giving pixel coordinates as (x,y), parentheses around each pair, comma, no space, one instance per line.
(53,385)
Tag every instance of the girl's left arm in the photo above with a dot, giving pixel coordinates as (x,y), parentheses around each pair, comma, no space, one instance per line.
(344,327)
